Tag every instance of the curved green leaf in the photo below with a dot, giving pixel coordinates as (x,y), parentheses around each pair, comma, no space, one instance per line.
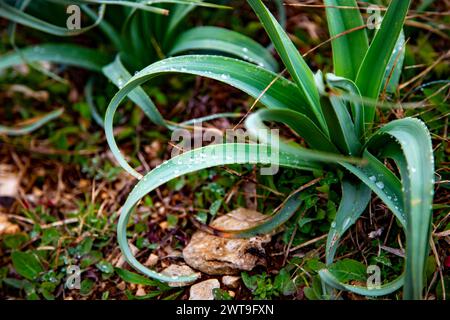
(192,161)
(383,290)
(117,73)
(226,41)
(27,264)
(355,198)
(383,183)
(417,169)
(30,127)
(298,122)
(68,54)
(251,79)
(146,6)
(18,16)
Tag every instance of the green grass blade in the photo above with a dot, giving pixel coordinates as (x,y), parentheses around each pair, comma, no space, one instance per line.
(373,69)
(226,41)
(68,54)
(348,50)
(292,59)
(189,162)
(30,127)
(414,143)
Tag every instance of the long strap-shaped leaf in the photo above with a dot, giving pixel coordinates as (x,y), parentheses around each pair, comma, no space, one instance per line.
(298,122)
(292,59)
(30,127)
(68,54)
(225,41)
(192,161)
(117,73)
(355,198)
(382,182)
(373,69)
(389,189)
(177,15)
(414,142)
(348,50)
(349,87)
(341,125)
(382,290)
(146,6)
(395,65)
(18,16)
(247,77)
(261,133)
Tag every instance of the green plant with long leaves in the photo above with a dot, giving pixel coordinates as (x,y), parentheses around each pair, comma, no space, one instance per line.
(139,33)
(335,115)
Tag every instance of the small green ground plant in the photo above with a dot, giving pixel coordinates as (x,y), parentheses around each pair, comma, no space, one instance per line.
(335,115)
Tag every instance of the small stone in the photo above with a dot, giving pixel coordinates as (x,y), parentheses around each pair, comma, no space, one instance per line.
(175,270)
(121,261)
(9,186)
(7,227)
(140,291)
(164,225)
(219,256)
(122,286)
(204,290)
(152,260)
(231,281)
